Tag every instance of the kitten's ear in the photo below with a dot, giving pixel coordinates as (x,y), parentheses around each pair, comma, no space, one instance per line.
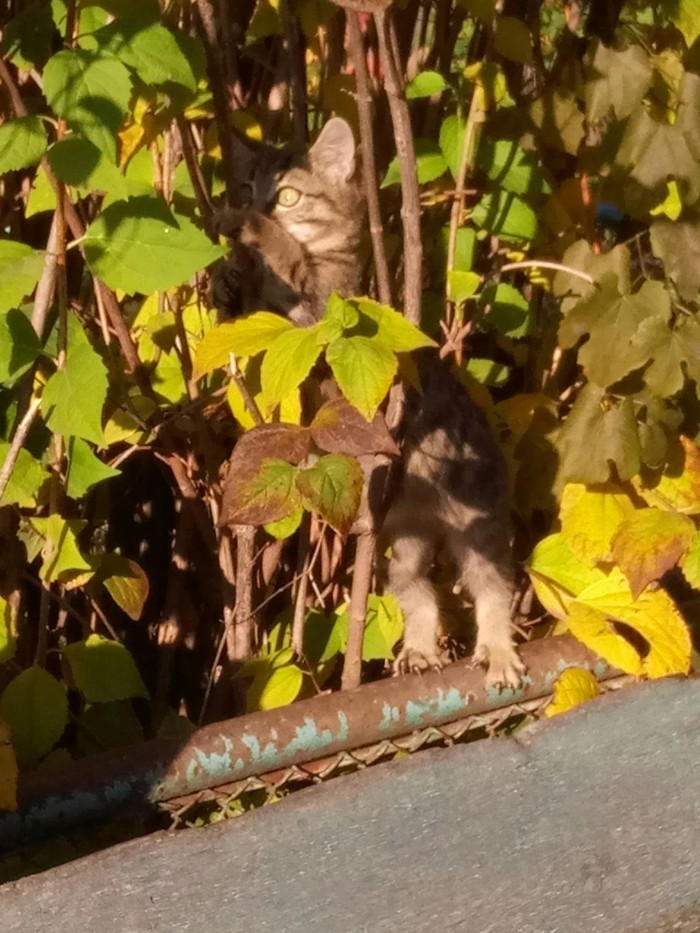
(333,153)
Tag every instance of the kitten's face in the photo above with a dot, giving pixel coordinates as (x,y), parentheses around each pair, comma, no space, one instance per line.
(312,195)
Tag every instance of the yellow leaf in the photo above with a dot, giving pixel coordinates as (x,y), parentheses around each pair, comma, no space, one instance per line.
(575,686)
(678,489)
(597,633)
(653,614)
(649,543)
(691,562)
(671,206)
(557,575)
(590,516)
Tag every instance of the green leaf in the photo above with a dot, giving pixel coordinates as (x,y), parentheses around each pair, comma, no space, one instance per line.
(35,706)
(487,372)
(62,559)
(26,479)
(389,328)
(280,687)
(430,164)
(103,670)
(364,370)
(616,79)
(505,215)
(512,40)
(426,84)
(557,115)
(451,142)
(650,153)
(85,470)
(287,363)
(677,244)
(152,51)
(673,351)
(74,396)
(22,143)
(285,527)
(126,583)
(20,270)
(686,15)
(79,163)
(126,232)
(8,638)
(28,36)
(511,167)
(558,575)
(332,487)
(383,627)
(243,337)
(462,285)
(612,321)
(506,311)
(91,92)
(19,345)
(108,725)
(265,493)
(598,430)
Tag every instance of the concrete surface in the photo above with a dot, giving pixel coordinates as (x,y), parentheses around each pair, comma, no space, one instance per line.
(585,824)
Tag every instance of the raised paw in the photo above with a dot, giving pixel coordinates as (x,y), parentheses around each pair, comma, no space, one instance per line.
(503,665)
(414,661)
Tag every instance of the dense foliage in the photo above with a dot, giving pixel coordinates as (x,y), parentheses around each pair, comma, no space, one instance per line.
(557,150)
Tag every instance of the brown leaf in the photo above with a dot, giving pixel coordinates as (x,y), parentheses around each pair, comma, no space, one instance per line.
(288,442)
(259,493)
(648,543)
(339,428)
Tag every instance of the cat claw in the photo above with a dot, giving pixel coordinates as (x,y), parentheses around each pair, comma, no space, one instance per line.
(504,669)
(413,661)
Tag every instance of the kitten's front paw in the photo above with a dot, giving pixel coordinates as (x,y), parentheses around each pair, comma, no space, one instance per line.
(412,660)
(503,665)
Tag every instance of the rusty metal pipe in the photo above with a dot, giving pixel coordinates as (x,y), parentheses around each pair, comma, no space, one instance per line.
(258,743)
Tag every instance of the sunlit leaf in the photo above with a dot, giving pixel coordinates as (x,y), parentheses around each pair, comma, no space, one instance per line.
(265,493)
(85,470)
(103,670)
(20,270)
(332,487)
(677,489)
(364,369)
(574,686)
(22,143)
(597,632)
(590,516)
(245,337)
(650,542)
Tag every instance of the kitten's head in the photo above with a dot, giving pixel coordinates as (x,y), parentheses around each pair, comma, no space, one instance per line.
(313,194)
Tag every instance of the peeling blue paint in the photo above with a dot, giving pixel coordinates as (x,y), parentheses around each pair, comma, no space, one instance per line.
(309,738)
(390,715)
(444,704)
(267,757)
(212,764)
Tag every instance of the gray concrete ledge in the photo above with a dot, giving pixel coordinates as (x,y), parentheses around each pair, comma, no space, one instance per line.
(585,824)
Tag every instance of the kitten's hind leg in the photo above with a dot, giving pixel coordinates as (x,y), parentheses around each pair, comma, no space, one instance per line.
(486,567)
(407,579)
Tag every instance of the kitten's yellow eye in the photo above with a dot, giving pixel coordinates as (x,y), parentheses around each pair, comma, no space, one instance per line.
(288,197)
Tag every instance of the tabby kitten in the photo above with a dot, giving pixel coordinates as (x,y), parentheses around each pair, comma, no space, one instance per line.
(297,239)
(296,244)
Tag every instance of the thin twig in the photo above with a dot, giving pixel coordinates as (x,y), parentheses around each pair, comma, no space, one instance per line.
(18,440)
(406,153)
(296,71)
(369,162)
(303,587)
(357,612)
(547,264)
